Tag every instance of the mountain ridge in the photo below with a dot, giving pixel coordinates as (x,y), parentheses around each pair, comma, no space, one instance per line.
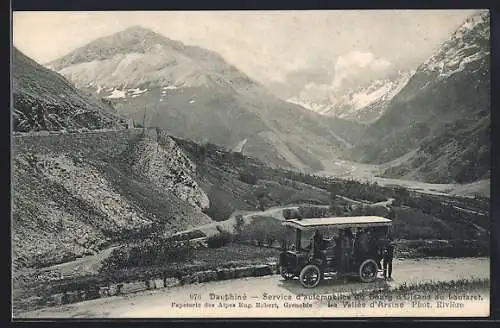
(364,104)
(194,93)
(444,99)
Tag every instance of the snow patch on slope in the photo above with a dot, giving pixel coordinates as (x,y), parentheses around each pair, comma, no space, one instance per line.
(117,94)
(239,146)
(137,91)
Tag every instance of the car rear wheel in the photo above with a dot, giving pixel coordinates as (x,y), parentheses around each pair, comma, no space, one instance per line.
(310,276)
(368,271)
(285,273)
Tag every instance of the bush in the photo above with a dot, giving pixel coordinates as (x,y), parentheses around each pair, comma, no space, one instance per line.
(263,230)
(339,210)
(248,177)
(290,213)
(358,190)
(222,204)
(362,210)
(116,261)
(454,248)
(313,212)
(219,240)
(153,251)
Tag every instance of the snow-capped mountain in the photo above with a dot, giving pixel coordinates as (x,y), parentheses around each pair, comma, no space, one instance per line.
(306,102)
(137,56)
(194,93)
(468,44)
(364,104)
(367,103)
(443,112)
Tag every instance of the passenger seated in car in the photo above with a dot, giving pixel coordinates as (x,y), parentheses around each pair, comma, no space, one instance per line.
(344,250)
(363,243)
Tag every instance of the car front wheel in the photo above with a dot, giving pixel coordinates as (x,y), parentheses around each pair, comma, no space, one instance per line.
(310,276)
(368,271)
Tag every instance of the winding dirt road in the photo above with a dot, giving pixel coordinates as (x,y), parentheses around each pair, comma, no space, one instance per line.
(195,300)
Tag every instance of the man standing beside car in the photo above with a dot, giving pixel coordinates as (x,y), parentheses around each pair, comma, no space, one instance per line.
(388,255)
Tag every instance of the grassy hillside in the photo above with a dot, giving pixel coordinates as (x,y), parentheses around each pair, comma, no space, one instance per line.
(234,182)
(461,154)
(74,194)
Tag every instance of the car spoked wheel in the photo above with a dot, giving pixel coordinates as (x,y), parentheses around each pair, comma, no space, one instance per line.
(285,273)
(310,276)
(368,271)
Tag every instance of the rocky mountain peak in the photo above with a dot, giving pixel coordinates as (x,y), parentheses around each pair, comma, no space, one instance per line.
(470,42)
(135,39)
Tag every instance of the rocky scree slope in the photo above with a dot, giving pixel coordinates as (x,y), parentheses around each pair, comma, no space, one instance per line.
(75,194)
(45,100)
(443,112)
(194,93)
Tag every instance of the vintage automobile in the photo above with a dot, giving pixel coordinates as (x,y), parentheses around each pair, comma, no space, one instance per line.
(304,262)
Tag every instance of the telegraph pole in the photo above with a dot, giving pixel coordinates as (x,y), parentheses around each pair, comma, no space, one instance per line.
(144,121)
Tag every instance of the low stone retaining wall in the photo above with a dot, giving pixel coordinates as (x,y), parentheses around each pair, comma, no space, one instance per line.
(148,284)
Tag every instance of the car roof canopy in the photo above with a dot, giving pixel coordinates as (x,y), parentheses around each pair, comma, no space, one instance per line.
(338,222)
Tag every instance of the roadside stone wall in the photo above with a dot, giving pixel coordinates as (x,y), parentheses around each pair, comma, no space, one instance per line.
(117,289)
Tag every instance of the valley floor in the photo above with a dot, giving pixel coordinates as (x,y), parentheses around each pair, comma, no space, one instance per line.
(370,172)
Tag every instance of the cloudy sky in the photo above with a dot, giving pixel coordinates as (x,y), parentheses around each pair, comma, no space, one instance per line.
(277,47)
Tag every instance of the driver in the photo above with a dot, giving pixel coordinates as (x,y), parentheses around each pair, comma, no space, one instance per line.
(319,245)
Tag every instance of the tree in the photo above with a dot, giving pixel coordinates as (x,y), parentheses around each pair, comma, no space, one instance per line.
(249,177)
(336,210)
(270,240)
(144,121)
(290,213)
(262,198)
(202,153)
(240,222)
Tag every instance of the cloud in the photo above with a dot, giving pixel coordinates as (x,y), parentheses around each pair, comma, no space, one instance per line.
(361,59)
(315,91)
(350,67)
(353,69)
